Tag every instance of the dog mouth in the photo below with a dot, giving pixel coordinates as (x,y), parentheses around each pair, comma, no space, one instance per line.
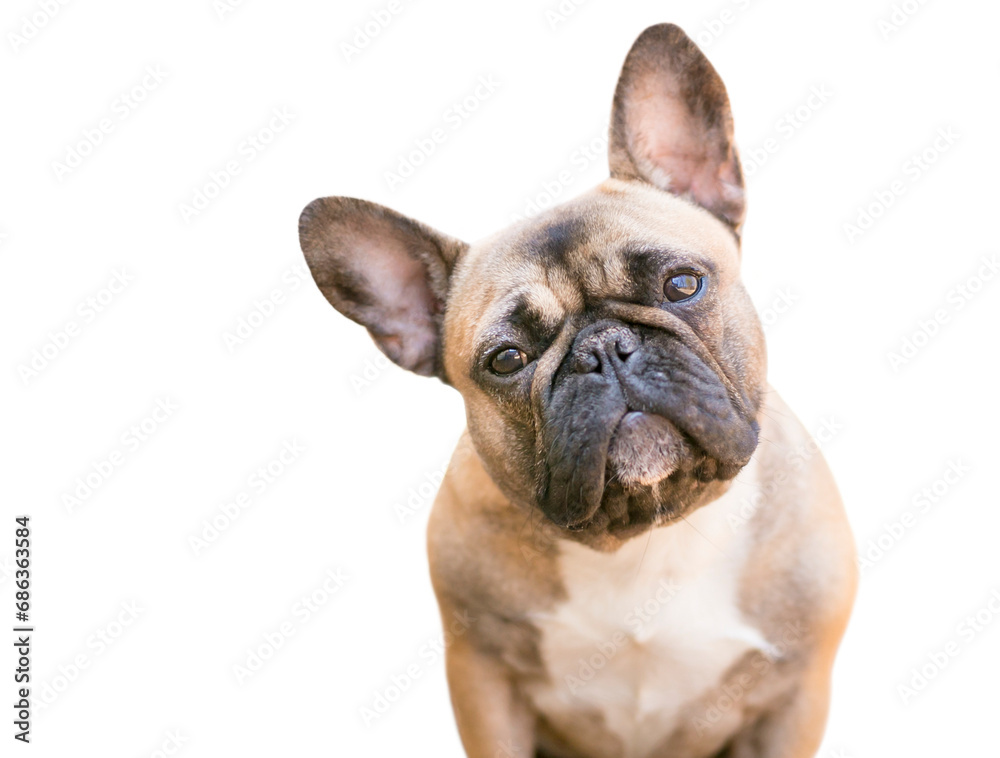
(654,474)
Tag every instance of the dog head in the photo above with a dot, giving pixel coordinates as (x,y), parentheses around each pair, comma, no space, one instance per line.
(611,362)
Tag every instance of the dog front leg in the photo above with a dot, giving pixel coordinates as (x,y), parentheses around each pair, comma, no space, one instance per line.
(493,721)
(793,727)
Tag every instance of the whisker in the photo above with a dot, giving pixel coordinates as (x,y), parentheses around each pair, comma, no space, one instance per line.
(649,536)
(684,518)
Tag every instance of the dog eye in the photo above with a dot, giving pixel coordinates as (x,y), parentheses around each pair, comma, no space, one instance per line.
(508,360)
(681,287)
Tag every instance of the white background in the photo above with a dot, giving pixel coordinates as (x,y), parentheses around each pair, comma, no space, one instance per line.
(371,440)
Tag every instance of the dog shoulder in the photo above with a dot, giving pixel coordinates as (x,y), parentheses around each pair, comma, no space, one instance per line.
(491,560)
(802,536)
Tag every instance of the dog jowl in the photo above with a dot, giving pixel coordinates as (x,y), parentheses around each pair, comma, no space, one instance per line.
(614,377)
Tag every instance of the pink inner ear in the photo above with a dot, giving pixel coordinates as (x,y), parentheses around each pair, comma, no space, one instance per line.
(399,284)
(677,153)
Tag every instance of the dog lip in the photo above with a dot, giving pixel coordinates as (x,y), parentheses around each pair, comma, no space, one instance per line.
(645,448)
(576,526)
(636,413)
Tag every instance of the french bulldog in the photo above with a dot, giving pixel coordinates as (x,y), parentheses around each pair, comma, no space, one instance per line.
(651,550)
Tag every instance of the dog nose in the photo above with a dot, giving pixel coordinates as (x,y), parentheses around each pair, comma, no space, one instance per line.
(594,350)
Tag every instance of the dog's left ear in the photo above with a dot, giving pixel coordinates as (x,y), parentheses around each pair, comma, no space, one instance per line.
(671,125)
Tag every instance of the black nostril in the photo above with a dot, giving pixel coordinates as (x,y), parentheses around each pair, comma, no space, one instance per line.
(596,352)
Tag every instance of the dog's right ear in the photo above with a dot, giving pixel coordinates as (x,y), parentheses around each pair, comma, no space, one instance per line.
(385,271)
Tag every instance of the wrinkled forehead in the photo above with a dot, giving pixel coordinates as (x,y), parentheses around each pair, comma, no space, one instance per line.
(604,245)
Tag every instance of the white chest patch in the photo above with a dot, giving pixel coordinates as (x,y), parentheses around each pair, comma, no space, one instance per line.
(645,630)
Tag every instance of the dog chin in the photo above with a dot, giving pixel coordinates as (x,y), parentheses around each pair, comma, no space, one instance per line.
(644,450)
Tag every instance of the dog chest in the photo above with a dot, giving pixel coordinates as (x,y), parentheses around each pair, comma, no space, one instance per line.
(646,630)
